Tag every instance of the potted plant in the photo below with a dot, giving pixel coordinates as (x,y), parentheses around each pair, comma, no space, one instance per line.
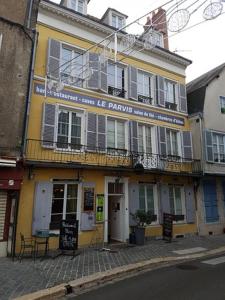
(142,219)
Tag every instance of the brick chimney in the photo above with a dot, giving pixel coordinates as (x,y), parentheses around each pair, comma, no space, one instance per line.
(158,21)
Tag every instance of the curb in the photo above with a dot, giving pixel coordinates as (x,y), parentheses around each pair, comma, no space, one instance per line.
(96,279)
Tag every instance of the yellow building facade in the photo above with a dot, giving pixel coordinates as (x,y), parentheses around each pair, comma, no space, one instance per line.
(105,138)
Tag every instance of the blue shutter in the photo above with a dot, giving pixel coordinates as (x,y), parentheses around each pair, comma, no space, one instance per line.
(42,206)
(164,201)
(133,201)
(209,145)
(190,203)
(210,201)
(133,73)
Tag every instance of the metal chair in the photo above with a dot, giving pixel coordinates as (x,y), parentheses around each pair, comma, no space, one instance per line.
(41,238)
(26,243)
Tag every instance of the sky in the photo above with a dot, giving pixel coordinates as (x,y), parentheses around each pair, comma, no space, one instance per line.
(203,44)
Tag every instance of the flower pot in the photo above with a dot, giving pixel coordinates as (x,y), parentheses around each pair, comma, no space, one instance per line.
(139,235)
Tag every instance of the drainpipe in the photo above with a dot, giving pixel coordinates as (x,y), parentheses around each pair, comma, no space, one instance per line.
(30,13)
(29,91)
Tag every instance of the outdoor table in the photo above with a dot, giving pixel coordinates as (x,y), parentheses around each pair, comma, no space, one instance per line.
(42,238)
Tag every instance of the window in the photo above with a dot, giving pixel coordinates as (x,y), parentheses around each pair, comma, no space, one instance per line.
(222,104)
(77,5)
(64,203)
(116,134)
(144,139)
(117,22)
(69,130)
(71,71)
(116,80)
(144,87)
(170,89)
(157,38)
(176,199)
(148,198)
(219,147)
(172,142)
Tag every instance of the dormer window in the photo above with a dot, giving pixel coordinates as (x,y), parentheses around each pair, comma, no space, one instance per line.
(77,5)
(117,21)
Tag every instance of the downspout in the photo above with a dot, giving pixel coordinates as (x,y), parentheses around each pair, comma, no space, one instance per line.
(29,92)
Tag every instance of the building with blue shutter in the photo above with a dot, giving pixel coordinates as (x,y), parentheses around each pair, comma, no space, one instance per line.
(108,131)
(206,107)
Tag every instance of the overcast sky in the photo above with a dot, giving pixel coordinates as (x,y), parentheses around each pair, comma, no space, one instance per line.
(204,44)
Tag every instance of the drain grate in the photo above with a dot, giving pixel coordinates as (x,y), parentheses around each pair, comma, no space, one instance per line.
(187,267)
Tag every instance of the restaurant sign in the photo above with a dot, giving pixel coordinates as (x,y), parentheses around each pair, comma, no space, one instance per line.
(108,105)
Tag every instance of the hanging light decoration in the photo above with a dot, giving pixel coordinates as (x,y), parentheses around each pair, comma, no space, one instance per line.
(213,10)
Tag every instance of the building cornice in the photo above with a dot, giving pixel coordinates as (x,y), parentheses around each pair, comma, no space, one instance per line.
(107,30)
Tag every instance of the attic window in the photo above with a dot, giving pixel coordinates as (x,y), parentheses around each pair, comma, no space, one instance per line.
(77,5)
(117,21)
(222,104)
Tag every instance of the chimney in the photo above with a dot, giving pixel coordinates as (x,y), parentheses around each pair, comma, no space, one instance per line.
(158,22)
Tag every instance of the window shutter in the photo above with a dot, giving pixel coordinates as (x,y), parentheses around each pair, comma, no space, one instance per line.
(42,206)
(91,131)
(53,63)
(162,141)
(190,203)
(48,125)
(133,73)
(104,77)
(187,144)
(160,91)
(164,201)
(210,200)
(133,201)
(182,98)
(209,145)
(101,132)
(133,136)
(93,62)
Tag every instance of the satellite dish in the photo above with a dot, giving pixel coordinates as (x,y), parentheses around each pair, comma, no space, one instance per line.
(213,10)
(178,20)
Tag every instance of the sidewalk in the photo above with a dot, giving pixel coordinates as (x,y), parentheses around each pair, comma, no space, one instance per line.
(23,278)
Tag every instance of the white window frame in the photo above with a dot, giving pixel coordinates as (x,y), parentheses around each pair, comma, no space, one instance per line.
(74,5)
(151,82)
(155,196)
(125,127)
(79,197)
(124,66)
(217,144)
(153,141)
(175,84)
(178,134)
(117,17)
(183,206)
(222,104)
(81,114)
(75,52)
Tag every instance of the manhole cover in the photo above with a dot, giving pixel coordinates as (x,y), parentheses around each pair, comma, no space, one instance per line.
(187,267)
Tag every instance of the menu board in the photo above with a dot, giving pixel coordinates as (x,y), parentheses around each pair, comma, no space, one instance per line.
(100,199)
(89,195)
(68,237)
(168,226)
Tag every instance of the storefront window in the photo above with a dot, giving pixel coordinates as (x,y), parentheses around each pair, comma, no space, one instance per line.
(177,205)
(148,198)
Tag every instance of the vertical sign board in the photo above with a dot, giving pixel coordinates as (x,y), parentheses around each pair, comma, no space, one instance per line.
(68,237)
(89,194)
(168,227)
(100,199)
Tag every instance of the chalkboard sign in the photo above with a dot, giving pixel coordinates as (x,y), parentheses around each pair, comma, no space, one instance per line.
(168,226)
(89,194)
(68,237)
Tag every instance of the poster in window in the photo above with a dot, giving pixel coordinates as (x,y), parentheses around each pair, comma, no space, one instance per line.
(89,194)
(100,199)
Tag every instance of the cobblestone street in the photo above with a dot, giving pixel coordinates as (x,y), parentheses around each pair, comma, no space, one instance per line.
(28,276)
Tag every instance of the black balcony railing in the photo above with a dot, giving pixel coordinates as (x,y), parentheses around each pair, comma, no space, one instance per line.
(171,105)
(116,92)
(144,99)
(107,157)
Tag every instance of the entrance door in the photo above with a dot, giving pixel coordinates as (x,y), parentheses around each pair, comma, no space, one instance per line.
(3,242)
(116,204)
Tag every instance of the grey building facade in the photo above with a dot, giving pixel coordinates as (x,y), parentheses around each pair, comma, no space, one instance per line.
(206,107)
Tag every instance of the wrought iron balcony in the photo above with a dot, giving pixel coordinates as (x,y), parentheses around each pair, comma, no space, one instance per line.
(116,92)
(171,105)
(70,155)
(144,99)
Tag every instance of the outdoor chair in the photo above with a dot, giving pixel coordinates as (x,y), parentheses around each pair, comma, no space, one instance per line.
(41,239)
(26,243)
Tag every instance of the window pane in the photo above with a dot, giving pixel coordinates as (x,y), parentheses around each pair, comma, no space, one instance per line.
(63,129)
(142,197)
(80,6)
(111,134)
(150,199)
(168,142)
(58,191)
(174,143)
(140,139)
(72,191)
(178,201)
(66,61)
(111,75)
(148,139)
(120,74)
(114,21)
(120,22)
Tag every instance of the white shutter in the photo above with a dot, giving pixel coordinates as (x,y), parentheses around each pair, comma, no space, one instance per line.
(3,199)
